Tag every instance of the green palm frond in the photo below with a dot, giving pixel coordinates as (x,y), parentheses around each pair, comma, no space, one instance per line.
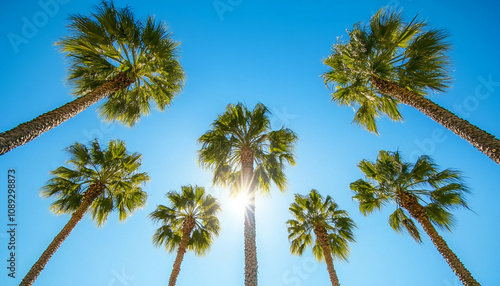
(240,129)
(112,41)
(66,204)
(389,48)
(440,216)
(113,167)
(312,211)
(426,64)
(400,221)
(368,196)
(165,236)
(390,176)
(191,202)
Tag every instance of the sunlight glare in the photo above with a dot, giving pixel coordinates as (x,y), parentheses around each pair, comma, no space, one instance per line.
(239,202)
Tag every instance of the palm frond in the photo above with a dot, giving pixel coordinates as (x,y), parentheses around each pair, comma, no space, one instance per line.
(400,221)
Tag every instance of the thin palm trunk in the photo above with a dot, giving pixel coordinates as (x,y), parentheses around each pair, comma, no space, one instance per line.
(187,228)
(322,237)
(250,229)
(411,204)
(28,131)
(482,140)
(90,195)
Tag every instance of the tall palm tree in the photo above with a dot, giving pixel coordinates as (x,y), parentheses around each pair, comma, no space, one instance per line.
(244,153)
(114,56)
(420,192)
(331,226)
(189,223)
(99,181)
(389,61)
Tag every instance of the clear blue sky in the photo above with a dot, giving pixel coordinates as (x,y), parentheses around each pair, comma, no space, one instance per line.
(258,51)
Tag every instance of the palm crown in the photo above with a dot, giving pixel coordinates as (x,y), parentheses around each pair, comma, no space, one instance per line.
(191,204)
(312,213)
(113,42)
(388,48)
(113,169)
(390,179)
(239,130)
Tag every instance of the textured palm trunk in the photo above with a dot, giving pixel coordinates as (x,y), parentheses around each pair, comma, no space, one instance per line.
(187,228)
(482,140)
(417,211)
(250,230)
(322,237)
(90,195)
(28,131)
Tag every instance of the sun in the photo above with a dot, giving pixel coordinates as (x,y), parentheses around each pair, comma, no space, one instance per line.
(239,202)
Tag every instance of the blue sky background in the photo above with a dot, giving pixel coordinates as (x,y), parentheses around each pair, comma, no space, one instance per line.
(258,51)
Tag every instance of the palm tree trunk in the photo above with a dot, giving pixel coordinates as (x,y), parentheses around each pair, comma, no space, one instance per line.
(417,211)
(322,237)
(250,229)
(482,140)
(188,226)
(90,195)
(28,131)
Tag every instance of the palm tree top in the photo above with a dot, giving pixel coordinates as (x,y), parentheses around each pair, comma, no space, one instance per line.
(390,178)
(192,203)
(311,213)
(112,42)
(239,131)
(246,127)
(114,169)
(390,48)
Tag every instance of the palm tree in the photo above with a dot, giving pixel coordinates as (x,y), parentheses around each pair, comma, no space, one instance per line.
(420,192)
(390,61)
(246,155)
(189,223)
(100,181)
(131,63)
(331,226)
